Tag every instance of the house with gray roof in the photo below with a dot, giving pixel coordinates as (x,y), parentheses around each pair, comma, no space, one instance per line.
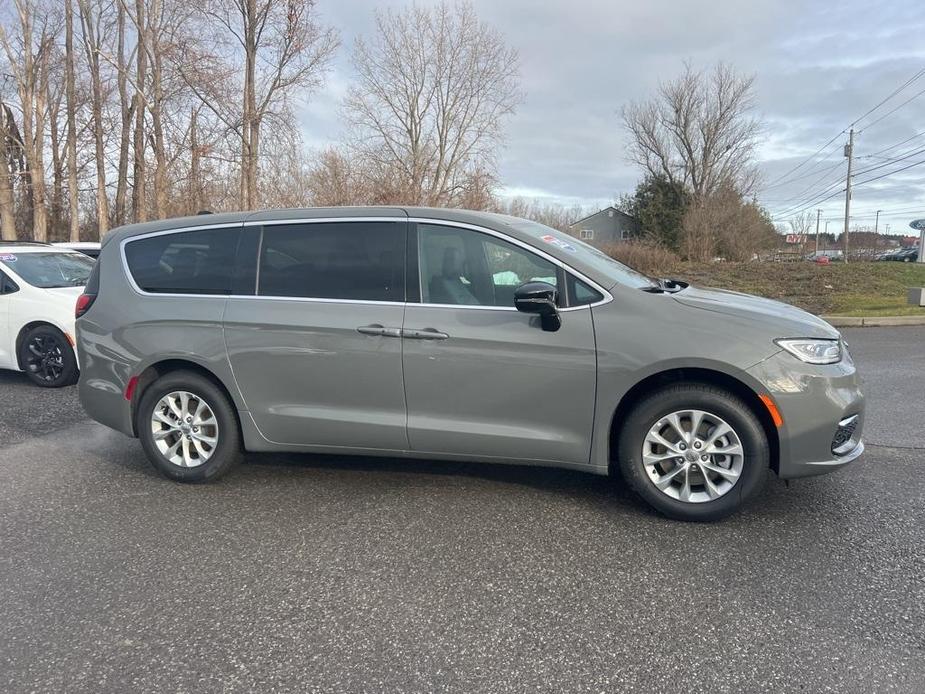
(606,227)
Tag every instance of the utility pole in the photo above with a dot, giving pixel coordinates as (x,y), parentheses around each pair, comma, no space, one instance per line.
(818,214)
(849,152)
(877,222)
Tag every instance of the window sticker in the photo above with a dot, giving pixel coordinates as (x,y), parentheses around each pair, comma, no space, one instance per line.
(9,257)
(559,243)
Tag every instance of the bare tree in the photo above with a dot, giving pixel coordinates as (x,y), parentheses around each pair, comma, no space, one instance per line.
(123,58)
(725,225)
(28,55)
(139,193)
(259,52)
(697,131)
(92,18)
(9,148)
(71,108)
(433,88)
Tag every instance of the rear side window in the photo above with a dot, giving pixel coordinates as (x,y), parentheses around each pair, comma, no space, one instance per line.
(188,262)
(360,261)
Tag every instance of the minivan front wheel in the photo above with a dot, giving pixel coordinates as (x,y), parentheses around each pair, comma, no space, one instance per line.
(188,428)
(693,451)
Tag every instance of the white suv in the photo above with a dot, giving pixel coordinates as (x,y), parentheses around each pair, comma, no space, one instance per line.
(39,286)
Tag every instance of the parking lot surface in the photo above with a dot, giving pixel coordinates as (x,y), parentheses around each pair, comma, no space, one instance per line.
(303,573)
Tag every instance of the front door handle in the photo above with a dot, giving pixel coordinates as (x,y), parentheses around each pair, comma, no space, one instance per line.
(376,329)
(425,334)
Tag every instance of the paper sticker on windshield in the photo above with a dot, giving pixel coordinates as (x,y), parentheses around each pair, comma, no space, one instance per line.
(8,256)
(559,243)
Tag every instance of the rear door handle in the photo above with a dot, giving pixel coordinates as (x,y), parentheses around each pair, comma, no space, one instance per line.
(425,334)
(376,329)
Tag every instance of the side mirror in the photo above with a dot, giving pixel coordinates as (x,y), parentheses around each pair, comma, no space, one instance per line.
(539,298)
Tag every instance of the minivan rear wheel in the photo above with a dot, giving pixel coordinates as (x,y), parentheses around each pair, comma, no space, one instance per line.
(188,428)
(693,451)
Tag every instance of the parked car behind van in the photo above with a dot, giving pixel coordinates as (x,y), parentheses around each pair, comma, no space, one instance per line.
(455,335)
(38,286)
(88,248)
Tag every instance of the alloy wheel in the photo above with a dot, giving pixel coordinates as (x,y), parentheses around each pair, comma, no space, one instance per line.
(693,456)
(45,358)
(184,428)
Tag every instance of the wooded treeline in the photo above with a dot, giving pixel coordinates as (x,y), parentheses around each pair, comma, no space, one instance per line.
(118,111)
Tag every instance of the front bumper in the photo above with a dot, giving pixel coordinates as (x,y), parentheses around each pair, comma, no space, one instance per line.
(814,401)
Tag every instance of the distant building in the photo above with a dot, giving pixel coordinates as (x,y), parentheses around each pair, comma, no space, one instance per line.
(606,227)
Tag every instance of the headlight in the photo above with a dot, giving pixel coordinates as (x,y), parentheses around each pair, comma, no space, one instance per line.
(813,350)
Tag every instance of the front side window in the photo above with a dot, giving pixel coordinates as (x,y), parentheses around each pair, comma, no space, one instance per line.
(359,261)
(464,267)
(49,270)
(188,262)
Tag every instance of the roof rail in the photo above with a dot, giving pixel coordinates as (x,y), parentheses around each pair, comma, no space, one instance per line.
(24,243)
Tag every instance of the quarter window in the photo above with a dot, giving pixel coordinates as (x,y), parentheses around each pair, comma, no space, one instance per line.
(188,262)
(465,267)
(360,261)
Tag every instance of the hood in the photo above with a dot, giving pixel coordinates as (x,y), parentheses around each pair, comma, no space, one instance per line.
(782,319)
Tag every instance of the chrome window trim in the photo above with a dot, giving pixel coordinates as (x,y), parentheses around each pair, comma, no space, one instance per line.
(608,297)
(163,232)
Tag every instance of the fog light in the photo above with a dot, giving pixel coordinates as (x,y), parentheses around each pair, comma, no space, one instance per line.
(845,440)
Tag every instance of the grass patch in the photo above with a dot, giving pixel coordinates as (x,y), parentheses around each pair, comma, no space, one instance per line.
(855,289)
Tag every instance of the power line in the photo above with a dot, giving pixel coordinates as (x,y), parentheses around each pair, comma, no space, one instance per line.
(809,173)
(890,173)
(892,94)
(812,185)
(807,160)
(901,142)
(894,110)
(891,161)
(777,181)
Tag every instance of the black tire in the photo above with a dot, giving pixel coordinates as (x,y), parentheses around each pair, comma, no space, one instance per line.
(227,450)
(735,412)
(47,357)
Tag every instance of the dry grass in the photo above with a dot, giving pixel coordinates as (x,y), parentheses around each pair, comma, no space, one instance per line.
(855,289)
(648,258)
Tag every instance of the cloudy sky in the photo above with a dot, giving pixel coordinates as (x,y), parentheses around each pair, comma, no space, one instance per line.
(819,65)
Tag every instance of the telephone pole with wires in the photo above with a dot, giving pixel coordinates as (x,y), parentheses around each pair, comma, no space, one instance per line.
(818,215)
(849,152)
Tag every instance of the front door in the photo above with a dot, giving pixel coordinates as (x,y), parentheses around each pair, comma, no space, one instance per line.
(481,378)
(316,352)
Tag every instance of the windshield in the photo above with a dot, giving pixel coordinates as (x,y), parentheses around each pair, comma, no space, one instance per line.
(587,254)
(48,270)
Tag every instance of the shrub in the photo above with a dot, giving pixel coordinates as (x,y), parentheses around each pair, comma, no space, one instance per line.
(649,258)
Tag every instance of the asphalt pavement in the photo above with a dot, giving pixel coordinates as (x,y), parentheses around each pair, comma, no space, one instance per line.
(305,573)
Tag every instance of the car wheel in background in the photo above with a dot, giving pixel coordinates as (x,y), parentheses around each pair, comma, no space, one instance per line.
(694,452)
(188,428)
(48,358)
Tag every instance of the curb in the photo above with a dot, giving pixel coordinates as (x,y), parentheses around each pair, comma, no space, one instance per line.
(872,321)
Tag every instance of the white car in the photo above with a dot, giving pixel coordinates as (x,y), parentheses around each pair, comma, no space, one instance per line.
(39,286)
(90,248)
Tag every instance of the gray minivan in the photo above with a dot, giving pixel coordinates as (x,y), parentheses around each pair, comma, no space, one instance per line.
(455,335)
